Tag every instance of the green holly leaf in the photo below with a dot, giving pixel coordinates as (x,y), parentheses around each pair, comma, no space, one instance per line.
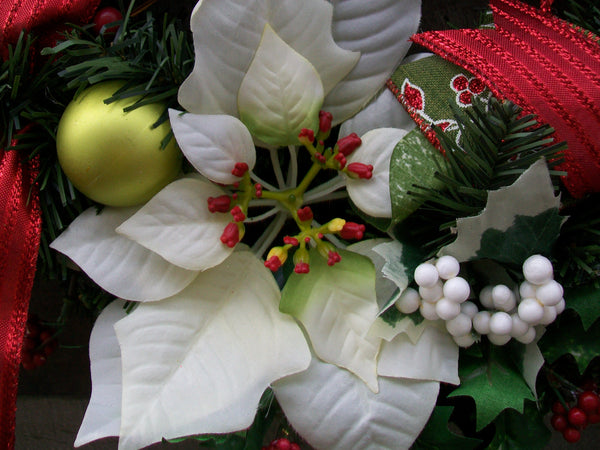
(414,163)
(529,235)
(494,382)
(526,431)
(585,300)
(568,336)
(437,436)
(519,220)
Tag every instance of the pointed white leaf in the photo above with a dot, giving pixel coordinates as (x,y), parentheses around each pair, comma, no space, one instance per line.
(332,409)
(228,32)
(384,111)
(384,288)
(200,361)
(213,143)
(433,357)
(533,360)
(373,196)
(177,225)
(117,264)
(281,93)
(379,29)
(337,306)
(103,414)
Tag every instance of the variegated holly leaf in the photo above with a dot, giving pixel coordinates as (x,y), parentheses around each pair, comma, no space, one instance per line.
(199,362)
(281,93)
(117,264)
(337,306)
(332,409)
(103,415)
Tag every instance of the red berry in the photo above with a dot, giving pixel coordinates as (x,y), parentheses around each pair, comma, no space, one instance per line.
(559,422)
(32,330)
(577,417)
(104,17)
(295,446)
(593,418)
(558,408)
(571,435)
(589,385)
(282,444)
(39,360)
(588,401)
(29,344)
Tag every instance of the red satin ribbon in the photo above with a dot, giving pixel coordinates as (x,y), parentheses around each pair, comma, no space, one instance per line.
(545,66)
(20,222)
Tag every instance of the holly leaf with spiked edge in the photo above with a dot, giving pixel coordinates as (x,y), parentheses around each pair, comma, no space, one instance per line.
(585,300)
(568,335)
(516,431)
(494,382)
(519,220)
(437,436)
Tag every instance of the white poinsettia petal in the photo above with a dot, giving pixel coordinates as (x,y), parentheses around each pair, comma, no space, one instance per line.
(103,414)
(213,143)
(379,29)
(281,93)
(332,409)
(385,111)
(199,362)
(373,196)
(228,32)
(433,357)
(177,225)
(337,306)
(117,264)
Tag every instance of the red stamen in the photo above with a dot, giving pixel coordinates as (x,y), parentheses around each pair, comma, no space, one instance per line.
(273,263)
(341,159)
(219,204)
(325,119)
(238,214)
(334,257)
(306,239)
(305,214)
(320,235)
(319,157)
(306,136)
(290,241)
(231,235)
(348,144)
(352,230)
(362,170)
(302,267)
(258,190)
(240,169)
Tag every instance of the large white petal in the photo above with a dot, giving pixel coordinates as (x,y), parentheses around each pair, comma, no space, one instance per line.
(332,409)
(373,196)
(433,357)
(281,93)
(177,224)
(337,306)
(103,415)
(379,29)
(200,361)
(385,111)
(213,143)
(228,32)
(117,264)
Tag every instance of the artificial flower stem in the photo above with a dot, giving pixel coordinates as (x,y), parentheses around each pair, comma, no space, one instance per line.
(293,167)
(277,168)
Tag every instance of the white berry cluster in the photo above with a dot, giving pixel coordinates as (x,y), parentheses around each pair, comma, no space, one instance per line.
(442,294)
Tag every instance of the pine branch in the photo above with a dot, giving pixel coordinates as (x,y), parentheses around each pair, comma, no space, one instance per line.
(585,14)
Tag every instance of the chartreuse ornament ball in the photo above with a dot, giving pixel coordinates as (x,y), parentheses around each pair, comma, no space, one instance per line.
(115,157)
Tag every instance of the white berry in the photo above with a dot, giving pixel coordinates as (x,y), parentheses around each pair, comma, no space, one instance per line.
(485,297)
(519,326)
(456,289)
(427,310)
(528,337)
(549,315)
(537,269)
(500,323)
(531,311)
(431,293)
(464,341)
(481,322)
(459,326)
(498,339)
(447,309)
(549,293)
(503,298)
(469,308)
(426,275)
(447,267)
(527,290)
(560,306)
(409,301)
